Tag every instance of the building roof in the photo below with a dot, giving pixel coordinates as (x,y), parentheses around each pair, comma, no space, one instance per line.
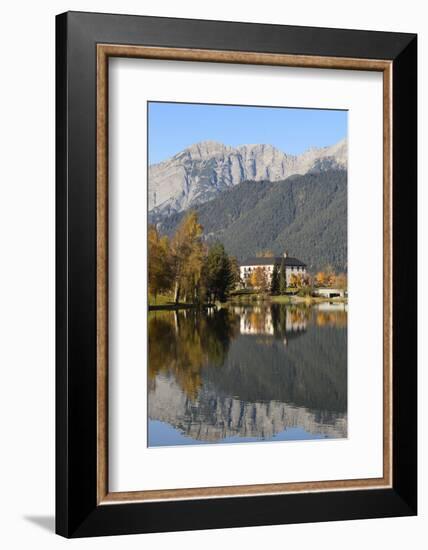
(288,261)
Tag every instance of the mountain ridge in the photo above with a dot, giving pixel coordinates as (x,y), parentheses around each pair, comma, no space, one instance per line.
(204,170)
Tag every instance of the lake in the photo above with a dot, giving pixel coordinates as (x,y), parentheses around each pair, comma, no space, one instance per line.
(247,373)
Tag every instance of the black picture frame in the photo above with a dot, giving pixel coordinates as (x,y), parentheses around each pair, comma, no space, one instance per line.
(77,511)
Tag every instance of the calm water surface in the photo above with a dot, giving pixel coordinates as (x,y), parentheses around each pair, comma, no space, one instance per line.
(268,372)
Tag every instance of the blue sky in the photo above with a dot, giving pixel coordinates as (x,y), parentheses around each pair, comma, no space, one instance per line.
(175,126)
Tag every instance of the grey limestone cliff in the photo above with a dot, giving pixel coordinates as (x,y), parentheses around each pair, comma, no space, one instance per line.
(203,170)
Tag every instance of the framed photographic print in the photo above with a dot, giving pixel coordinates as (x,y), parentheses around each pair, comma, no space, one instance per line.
(236,245)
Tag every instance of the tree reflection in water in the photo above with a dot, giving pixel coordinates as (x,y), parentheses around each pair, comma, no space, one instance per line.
(182,343)
(248,371)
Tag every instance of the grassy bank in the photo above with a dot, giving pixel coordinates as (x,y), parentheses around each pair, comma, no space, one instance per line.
(247,296)
(309,300)
(181,305)
(164,302)
(161,300)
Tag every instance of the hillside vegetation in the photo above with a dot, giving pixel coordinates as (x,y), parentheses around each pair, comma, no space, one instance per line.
(305,215)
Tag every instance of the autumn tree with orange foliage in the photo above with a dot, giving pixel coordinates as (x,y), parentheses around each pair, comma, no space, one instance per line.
(187,256)
(160,274)
(296,280)
(326,277)
(341,281)
(259,279)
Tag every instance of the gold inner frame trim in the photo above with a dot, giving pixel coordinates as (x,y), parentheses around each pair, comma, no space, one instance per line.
(104,51)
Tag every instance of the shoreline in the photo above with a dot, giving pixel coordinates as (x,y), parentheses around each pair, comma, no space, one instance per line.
(252,300)
(176,307)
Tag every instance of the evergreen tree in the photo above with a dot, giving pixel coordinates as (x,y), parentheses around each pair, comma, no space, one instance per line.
(234,265)
(274,285)
(282,278)
(218,274)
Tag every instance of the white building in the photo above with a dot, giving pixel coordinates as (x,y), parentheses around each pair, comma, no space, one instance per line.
(293,266)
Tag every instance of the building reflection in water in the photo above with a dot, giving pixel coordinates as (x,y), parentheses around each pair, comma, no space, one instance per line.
(224,375)
(264,320)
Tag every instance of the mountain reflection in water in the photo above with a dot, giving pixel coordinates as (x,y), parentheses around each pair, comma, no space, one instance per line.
(247,373)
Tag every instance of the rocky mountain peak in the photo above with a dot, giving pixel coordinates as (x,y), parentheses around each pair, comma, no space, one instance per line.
(203,170)
(206,149)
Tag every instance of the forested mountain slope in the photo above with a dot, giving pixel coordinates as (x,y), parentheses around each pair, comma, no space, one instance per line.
(304,214)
